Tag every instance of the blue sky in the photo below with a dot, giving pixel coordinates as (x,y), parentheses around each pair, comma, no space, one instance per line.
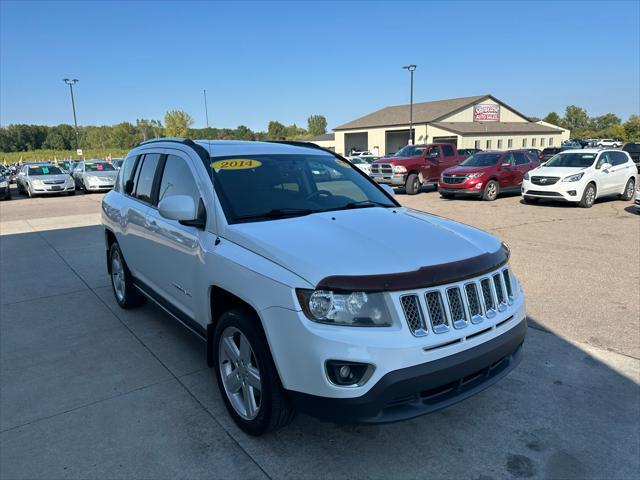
(262,61)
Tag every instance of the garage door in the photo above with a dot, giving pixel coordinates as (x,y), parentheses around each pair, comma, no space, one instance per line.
(356,141)
(451,140)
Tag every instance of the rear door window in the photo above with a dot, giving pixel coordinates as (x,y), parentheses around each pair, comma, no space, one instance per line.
(145,178)
(618,158)
(521,158)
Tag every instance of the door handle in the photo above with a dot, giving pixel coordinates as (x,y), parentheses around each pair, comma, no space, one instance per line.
(152,226)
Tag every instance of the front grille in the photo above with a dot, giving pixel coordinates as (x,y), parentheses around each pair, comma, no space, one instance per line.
(542,193)
(487,296)
(453,180)
(384,168)
(413,314)
(475,309)
(458,305)
(53,182)
(437,315)
(544,180)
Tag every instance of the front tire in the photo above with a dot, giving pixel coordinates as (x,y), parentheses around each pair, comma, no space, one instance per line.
(126,294)
(588,196)
(246,375)
(491,191)
(629,190)
(413,184)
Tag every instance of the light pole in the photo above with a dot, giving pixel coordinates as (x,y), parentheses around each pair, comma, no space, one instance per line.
(411,68)
(71,82)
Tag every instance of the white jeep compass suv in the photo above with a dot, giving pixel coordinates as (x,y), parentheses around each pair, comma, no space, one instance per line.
(581,176)
(257,248)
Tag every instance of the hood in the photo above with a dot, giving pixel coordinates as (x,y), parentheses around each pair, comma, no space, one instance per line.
(463,170)
(393,159)
(366,241)
(51,178)
(555,171)
(103,173)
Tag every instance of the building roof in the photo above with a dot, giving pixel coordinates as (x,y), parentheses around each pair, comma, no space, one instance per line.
(422,113)
(478,128)
(325,137)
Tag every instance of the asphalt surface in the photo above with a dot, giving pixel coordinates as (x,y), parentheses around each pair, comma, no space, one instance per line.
(88,390)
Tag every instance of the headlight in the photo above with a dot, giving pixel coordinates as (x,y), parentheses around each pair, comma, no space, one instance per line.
(356,309)
(475,175)
(399,169)
(526,176)
(37,183)
(69,181)
(573,178)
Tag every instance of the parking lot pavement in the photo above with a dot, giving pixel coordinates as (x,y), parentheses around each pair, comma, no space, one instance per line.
(91,391)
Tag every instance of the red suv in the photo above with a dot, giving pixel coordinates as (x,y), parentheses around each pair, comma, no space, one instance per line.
(487,174)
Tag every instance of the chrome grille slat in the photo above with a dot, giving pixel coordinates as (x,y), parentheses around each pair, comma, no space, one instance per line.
(539,180)
(507,283)
(413,314)
(500,295)
(456,308)
(473,300)
(452,180)
(487,297)
(437,314)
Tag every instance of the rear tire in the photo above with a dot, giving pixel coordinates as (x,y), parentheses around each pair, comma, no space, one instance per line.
(629,190)
(491,191)
(588,196)
(126,294)
(269,407)
(413,184)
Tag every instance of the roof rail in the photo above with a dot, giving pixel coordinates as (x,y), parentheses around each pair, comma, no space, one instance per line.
(298,143)
(186,141)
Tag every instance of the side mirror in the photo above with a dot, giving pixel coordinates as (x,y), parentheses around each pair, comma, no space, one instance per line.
(505,164)
(606,166)
(433,155)
(388,189)
(178,207)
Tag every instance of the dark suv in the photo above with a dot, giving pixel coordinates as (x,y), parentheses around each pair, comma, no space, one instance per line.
(633,149)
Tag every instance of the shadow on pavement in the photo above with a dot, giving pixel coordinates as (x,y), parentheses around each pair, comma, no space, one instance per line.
(91,390)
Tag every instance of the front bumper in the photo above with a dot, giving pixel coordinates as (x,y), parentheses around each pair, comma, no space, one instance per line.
(472,192)
(397,180)
(425,388)
(50,189)
(563,191)
(98,187)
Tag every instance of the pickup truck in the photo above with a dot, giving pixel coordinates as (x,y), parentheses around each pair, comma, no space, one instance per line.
(414,165)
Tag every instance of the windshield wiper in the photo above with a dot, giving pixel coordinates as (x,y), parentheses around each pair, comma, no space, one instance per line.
(360,204)
(279,213)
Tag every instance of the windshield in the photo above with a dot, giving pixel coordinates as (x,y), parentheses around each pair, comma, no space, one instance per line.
(44,170)
(264,187)
(98,167)
(573,159)
(410,151)
(481,160)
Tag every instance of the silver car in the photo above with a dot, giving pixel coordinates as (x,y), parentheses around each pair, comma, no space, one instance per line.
(43,179)
(94,176)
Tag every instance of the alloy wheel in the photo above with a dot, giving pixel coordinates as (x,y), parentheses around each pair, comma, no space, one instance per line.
(591,195)
(240,373)
(630,188)
(117,275)
(491,190)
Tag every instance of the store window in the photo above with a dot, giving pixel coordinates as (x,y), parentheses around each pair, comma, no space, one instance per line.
(550,141)
(510,143)
(533,142)
(499,144)
(542,141)
(524,142)
(488,144)
(477,144)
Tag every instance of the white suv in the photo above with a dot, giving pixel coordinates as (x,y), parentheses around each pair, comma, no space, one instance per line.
(608,143)
(257,248)
(581,176)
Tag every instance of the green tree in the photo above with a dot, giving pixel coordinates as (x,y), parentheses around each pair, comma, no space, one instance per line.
(124,135)
(244,133)
(553,118)
(632,128)
(316,125)
(576,118)
(605,121)
(177,123)
(54,141)
(276,131)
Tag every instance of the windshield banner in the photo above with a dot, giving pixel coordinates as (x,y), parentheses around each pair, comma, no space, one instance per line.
(486,112)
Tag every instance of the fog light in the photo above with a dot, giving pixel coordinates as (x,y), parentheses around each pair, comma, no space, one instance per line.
(478,185)
(344,374)
(572,193)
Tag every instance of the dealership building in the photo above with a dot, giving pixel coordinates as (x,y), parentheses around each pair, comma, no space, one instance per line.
(471,122)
